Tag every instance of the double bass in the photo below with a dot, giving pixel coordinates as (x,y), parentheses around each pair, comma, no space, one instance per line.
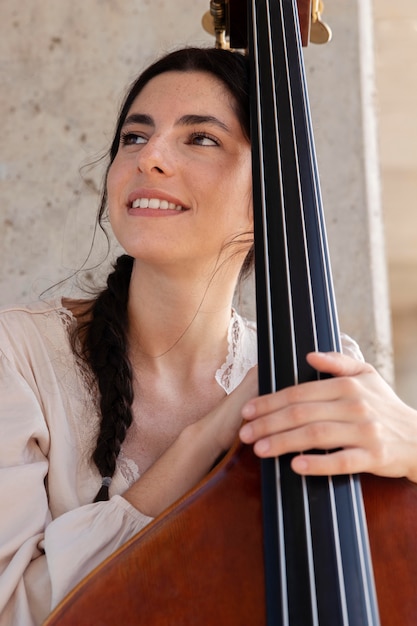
(254,543)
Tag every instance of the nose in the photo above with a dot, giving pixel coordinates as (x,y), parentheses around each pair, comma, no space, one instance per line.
(156,157)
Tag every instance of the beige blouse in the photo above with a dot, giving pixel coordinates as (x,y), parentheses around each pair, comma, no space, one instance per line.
(51,534)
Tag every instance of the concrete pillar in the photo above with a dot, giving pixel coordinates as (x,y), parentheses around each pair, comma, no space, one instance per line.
(396,54)
(341,84)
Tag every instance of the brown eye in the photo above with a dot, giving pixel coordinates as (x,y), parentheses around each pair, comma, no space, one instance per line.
(132,139)
(202,139)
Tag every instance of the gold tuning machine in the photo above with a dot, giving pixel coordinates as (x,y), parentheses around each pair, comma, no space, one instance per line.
(215,22)
(320,32)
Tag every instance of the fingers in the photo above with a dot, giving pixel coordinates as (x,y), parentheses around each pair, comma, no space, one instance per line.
(337,364)
(272,436)
(324,391)
(335,463)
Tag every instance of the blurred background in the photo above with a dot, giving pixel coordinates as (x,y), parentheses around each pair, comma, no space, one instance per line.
(64,67)
(396,92)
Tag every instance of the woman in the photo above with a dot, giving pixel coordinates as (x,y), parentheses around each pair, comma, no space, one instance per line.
(113,408)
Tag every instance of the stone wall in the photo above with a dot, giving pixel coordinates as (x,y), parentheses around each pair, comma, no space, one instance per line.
(64,67)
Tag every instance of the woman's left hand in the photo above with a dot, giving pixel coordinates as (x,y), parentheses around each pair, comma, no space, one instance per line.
(355,415)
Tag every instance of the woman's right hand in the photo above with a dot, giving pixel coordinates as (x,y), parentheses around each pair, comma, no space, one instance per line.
(193,453)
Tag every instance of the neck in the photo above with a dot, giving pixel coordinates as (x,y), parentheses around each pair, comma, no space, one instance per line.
(179,320)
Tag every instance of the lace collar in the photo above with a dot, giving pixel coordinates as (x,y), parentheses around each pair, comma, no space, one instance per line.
(242,353)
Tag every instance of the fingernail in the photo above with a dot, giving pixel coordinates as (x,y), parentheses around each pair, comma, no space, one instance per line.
(300,464)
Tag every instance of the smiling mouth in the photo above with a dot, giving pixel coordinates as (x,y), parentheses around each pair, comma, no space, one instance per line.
(155,203)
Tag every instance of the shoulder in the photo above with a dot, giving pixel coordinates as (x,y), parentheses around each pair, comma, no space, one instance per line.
(37,308)
(32,315)
(24,328)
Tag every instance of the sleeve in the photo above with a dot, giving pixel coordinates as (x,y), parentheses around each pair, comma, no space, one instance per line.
(78,541)
(42,559)
(351,348)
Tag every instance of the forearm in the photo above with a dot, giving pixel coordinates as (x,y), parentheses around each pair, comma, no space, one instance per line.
(181,467)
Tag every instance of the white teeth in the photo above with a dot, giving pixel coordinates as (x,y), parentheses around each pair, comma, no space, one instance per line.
(155,203)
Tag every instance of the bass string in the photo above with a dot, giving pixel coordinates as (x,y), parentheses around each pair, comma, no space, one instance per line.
(307,521)
(312,162)
(358,528)
(360,532)
(357,504)
(272,369)
(287,75)
(279,513)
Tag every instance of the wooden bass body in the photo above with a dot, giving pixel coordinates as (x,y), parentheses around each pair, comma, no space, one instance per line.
(201,562)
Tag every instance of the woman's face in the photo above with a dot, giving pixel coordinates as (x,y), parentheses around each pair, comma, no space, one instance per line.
(180,186)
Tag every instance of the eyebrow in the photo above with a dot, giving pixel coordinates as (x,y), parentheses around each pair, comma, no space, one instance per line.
(139,118)
(191,120)
(185,120)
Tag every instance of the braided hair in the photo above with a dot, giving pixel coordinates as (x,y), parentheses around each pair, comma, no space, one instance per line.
(104,334)
(106,347)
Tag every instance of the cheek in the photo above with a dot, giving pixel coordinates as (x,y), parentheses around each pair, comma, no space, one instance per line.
(244,184)
(112,180)
(113,186)
(244,171)
(249,214)
(118,171)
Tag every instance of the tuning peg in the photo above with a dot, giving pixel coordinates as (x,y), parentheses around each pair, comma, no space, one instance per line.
(207,22)
(320,32)
(214,22)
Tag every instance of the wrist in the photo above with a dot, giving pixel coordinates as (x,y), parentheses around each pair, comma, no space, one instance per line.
(177,471)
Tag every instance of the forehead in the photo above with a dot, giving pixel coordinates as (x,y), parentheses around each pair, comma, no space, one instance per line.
(199,91)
